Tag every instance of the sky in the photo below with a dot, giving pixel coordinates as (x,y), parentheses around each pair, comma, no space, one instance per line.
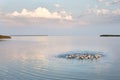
(59,17)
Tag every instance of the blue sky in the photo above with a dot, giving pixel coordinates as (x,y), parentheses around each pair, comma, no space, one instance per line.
(60,17)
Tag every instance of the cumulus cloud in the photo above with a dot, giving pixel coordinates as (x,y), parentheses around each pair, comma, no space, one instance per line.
(41,13)
(102,12)
(39,16)
(101,16)
(110,2)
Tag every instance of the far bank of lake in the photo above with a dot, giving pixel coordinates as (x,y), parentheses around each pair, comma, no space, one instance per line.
(4,37)
(109,35)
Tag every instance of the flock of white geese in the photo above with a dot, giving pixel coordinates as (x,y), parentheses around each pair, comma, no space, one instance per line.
(83,56)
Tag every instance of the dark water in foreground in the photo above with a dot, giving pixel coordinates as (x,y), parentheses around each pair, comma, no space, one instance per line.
(33,58)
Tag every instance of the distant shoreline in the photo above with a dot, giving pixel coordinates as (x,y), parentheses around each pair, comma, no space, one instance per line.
(34,35)
(5,37)
(106,35)
(29,35)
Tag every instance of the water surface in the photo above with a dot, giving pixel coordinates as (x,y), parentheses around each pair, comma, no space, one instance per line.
(33,58)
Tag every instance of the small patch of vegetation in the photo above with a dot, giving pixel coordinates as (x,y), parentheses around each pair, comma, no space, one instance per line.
(4,37)
(108,35)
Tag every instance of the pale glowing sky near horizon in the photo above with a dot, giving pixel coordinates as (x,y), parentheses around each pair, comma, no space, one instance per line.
(60,17)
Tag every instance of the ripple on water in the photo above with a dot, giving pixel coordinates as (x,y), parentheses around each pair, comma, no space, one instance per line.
(57,68)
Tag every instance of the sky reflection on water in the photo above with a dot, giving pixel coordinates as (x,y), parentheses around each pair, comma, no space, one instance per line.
(34,58)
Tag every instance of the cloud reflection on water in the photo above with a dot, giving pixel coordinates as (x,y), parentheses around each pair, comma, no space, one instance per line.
(37,53)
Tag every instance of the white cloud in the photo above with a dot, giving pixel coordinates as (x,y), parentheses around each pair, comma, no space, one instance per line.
(114,2)
(97,11)
(41,13)
(110,2)
(102,16)
(39,16)
(57,5)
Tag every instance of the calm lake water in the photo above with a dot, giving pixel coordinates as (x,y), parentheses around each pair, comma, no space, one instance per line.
(34,58)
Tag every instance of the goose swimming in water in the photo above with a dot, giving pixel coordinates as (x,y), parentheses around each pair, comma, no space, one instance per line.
(97,56)
(70,56)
